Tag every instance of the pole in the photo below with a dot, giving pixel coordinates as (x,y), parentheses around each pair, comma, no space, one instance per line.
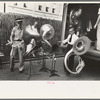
(4,7)
(64,18)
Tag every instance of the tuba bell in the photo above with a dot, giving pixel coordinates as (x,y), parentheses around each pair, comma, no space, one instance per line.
(31,32)
(47,31)
(82,45)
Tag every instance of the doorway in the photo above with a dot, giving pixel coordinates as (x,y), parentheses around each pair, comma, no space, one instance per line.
(89,15)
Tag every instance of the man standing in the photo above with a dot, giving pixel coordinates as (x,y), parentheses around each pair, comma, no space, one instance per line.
(75,20)
(97,24)
(17,44)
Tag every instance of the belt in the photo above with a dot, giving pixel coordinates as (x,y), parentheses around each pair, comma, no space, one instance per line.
(17,40)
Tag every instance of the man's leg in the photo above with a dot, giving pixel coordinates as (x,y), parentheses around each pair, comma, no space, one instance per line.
(21,51)
(12,55)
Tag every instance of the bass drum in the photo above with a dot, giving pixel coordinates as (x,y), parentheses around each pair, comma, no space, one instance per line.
(73,63)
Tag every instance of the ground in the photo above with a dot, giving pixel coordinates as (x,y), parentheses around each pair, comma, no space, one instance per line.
(90,72)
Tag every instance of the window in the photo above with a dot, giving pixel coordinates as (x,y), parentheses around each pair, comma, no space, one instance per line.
(47,9)
(25,5)
(40,7)
(15,4)
(53,10)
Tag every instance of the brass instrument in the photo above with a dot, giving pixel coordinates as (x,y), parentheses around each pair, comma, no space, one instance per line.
(80,47)
(47,31)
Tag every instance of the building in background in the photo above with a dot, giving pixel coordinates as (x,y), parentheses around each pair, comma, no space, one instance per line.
(44,10)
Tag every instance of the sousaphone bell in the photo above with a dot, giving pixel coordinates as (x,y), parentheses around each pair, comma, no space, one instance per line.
(82,45)
(47,31)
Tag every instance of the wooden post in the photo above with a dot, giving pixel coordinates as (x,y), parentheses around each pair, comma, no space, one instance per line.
(64,18)
(4,7)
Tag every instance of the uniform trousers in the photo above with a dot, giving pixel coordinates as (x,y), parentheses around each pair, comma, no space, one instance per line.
(20,50)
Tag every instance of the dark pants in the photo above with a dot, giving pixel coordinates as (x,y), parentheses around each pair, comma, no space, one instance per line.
(67,48)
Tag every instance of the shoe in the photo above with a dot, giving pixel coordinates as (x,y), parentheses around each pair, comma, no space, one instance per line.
(21,70)
(33,55)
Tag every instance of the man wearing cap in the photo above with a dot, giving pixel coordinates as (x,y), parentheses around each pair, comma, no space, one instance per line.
(17,44)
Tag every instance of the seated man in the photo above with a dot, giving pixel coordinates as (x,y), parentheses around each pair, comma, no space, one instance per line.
(68,43)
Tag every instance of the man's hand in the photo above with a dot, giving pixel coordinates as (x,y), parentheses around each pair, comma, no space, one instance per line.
(63,44)
(9,43)
(95,26)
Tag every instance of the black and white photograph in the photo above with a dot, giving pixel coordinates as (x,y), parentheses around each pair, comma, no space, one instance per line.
(49,41)
(49,50)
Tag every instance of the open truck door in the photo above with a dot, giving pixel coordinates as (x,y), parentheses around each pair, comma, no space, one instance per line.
(89,14)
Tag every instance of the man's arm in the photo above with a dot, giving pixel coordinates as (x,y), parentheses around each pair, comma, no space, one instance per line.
(66,40)
(64,43)
(70,17)
(97,22)
(12,35)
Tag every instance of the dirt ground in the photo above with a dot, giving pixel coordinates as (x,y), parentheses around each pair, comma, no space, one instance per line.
(90,72)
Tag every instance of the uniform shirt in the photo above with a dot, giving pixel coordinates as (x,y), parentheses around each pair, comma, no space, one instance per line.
(74,38)
(17,33)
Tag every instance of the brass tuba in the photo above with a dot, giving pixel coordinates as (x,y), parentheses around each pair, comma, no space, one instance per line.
(47,31)
(31,33)
(80,47)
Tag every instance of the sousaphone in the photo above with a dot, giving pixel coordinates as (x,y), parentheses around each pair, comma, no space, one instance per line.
(73,62)
(46,33)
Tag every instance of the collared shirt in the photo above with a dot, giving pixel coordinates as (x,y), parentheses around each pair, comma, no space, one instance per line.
(74,38)
(17,33)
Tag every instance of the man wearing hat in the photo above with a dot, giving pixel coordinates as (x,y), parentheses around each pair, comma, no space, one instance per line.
(17,44)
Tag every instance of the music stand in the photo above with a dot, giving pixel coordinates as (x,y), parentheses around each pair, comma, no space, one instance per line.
(53,71)
(30,67)
(44,68)
(54,50)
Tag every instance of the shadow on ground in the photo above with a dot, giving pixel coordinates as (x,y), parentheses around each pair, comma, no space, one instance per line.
(90,72)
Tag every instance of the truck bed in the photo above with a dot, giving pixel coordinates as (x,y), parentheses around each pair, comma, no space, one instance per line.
(92,54)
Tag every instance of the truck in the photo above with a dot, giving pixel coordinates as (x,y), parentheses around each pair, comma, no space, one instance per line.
(88,19)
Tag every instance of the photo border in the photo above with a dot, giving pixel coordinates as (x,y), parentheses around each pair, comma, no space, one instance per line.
(42,90)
